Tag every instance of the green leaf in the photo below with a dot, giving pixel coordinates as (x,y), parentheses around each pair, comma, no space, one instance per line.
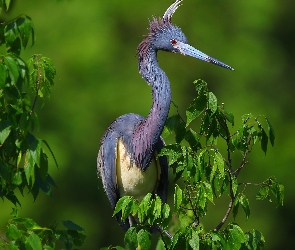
(166,215)
(7,4)
(24,25)
(177,197)
(157,207)
(27,222)
(245,205)
(263,193)
(271,132)
(188,158)
(5,129)
(281,195)
(3,75)
(193,139)
(234,184)
(202,164)
(160,245)
(34,241)
(127,207)
(72,226)
(13,246)
(235,237)
(264,139)
(194,240)
(144,240)
(14,212)
(278,191)
(130,239)
(212,102)
(216,186)
(197,106)
(51,152)
(218,160)
(78,238)
(173,151)
(23,69)
(229,116)
(236,207)
(178,241)
(12,69)
(224,185)
(177,125)
(29,168)
(119,205)
(254,240)
(12,232)
(213,171)
(202,197)
(17,178)
(208,191)
(144,207)
(34,149)
(11,38)
(43,165)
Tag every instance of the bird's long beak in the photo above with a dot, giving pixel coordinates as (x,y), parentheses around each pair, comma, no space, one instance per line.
(188,50)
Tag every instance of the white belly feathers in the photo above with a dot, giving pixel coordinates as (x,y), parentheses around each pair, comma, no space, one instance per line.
(131,180)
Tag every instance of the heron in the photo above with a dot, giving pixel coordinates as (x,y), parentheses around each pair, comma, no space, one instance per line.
(128,161)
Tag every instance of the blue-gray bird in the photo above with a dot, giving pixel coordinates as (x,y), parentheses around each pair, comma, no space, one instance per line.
(127,159)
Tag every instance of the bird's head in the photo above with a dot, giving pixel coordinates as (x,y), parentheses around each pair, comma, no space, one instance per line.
(165,36)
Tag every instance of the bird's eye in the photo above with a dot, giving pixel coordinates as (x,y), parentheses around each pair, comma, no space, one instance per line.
(173,41)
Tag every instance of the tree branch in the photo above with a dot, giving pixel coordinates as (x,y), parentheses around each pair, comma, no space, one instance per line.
(230,206)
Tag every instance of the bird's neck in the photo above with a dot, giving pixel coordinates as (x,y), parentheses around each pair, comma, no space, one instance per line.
(147,133)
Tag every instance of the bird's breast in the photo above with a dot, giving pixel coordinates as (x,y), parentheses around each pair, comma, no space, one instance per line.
(131,180)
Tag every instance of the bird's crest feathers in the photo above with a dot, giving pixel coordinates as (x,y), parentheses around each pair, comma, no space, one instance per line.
(170,11)
(159,24)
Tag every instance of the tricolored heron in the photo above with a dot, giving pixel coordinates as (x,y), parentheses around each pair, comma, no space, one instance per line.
(127,159)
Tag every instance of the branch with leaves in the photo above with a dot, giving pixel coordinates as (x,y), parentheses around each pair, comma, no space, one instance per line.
(204,172)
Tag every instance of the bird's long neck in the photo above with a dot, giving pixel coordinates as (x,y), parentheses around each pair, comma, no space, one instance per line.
(147,133)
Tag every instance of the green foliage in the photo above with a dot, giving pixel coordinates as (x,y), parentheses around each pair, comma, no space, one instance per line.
(23,157)
(24,233)
(204,172)
(24,162)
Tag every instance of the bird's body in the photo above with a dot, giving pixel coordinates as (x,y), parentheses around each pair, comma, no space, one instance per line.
(128,175)
(127,159)
(123,174)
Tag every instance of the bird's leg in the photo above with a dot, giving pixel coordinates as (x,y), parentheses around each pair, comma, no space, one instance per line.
(131,220)
(169,235)
(161,231)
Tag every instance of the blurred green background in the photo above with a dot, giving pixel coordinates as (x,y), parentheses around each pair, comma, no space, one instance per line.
(93,46)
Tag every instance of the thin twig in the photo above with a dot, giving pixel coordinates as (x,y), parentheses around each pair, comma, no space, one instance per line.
(230,206)
(249,183)
(244,161)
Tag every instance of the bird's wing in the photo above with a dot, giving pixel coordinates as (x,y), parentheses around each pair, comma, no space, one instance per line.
(106,166)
